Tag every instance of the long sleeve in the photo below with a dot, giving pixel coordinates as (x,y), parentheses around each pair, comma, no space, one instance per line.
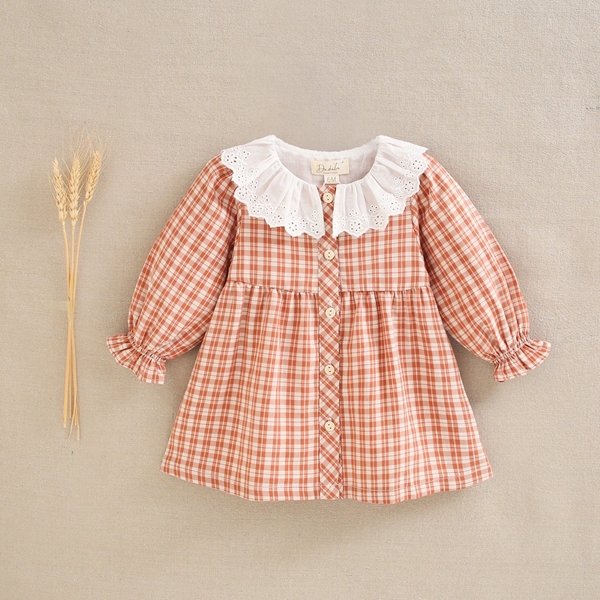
(474,285)
(181,278)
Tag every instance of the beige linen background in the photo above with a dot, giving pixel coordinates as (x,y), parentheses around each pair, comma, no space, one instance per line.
(505,94)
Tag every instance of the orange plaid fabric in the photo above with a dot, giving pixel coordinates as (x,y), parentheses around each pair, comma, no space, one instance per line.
(325,378)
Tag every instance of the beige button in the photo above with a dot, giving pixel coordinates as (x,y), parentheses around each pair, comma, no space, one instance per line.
(328,197)
(329,254)
(330,425)
(329,369)
(330,312)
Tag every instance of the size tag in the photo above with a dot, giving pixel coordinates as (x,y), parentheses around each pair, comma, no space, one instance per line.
(330,169)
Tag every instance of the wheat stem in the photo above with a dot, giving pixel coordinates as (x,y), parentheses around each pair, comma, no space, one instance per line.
(68,360)
(74,190)
(74,410)
(72,341)
(67,401)
(77,255)
(72,319)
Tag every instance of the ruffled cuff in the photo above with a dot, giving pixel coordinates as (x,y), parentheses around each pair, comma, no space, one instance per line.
(524,356)
(147,367)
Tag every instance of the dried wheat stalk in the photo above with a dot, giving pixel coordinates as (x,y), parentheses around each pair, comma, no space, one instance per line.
(67,191)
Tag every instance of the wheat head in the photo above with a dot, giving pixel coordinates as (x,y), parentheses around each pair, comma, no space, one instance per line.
(60,191)
(74,189)
(93,174)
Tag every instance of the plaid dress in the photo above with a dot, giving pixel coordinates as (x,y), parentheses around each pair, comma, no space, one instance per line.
(322,313)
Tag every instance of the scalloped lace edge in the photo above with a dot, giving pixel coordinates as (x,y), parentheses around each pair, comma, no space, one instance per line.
(352,222)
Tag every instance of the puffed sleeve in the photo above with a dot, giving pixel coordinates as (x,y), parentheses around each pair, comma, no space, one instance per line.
(474,285)
(181,278)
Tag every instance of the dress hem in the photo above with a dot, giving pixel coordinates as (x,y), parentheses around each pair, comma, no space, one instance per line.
(347,492)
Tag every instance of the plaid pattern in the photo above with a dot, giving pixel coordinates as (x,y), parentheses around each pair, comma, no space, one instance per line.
(291,401)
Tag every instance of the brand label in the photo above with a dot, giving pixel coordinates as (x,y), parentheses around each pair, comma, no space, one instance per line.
(330,167)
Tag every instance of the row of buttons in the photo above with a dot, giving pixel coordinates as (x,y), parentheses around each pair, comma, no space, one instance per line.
(330,312)
(330,471)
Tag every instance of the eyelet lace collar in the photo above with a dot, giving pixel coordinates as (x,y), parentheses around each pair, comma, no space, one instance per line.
(272,192)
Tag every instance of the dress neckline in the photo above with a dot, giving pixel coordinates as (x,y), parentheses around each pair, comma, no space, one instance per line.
(376,142)
(272,192)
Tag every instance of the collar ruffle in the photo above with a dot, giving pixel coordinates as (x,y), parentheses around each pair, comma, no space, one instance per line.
(274,193)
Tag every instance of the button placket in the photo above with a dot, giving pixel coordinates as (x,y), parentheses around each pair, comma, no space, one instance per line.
(329,337)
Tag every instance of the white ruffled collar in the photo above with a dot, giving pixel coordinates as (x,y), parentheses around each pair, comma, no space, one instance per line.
(272,192)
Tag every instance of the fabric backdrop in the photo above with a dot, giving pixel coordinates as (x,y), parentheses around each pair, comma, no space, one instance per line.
(504,94)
